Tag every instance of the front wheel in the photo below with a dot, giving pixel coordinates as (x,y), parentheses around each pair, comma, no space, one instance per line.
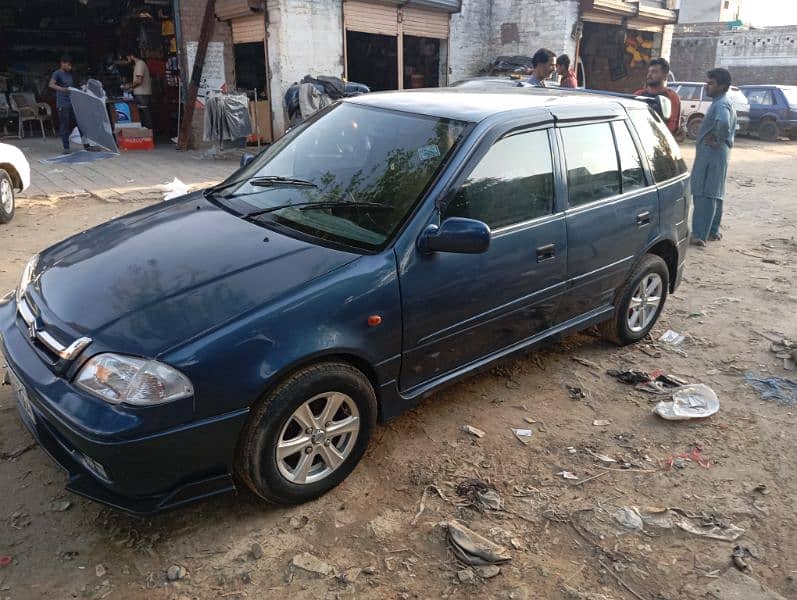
(7,202)
(639,303)
(308,435)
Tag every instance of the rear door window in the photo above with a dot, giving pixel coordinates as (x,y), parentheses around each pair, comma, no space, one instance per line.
(662,151)
(592,172)
(631,172)
(760,97)
(690,92)
(511,184)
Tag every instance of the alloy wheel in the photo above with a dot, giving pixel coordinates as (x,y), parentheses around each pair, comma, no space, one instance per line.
(6,195)
(645,301)
(317,438)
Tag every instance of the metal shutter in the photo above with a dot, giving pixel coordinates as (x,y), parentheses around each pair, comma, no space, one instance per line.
(248,29)
(425,23)
(370,18)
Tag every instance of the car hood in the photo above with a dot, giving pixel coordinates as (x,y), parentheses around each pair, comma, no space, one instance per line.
(153,279)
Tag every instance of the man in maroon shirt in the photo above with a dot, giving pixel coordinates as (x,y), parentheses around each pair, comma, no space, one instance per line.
(658,69)
(566,74)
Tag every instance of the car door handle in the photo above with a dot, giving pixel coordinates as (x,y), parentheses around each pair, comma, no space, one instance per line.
(546,252)
(643,219)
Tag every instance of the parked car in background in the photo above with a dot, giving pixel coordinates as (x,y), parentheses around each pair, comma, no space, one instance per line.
(14,177)
(695,104)
(256,331)
(773,110)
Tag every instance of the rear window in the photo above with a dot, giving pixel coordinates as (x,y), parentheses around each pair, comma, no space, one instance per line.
(662,151)
(592,172)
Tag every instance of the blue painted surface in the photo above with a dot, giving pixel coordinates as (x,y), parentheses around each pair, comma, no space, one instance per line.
(235,306)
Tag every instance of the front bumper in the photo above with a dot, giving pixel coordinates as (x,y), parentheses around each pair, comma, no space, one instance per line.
(743,125)
(143,475)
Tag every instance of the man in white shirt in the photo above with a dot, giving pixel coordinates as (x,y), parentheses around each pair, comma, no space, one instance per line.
(141,88)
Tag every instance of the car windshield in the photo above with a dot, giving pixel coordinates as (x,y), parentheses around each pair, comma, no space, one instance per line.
(791,95)
(351,176)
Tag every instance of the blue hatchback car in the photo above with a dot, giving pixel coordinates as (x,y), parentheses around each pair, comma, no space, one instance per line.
(256,332)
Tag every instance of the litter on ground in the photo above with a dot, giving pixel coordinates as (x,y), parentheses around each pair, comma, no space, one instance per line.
(694,401)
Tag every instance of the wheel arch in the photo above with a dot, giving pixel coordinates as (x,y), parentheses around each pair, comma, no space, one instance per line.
(351,358)
(667,250)
(13,173)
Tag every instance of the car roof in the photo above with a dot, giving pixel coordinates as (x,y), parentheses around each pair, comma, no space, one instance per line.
(469,104)
(767,86)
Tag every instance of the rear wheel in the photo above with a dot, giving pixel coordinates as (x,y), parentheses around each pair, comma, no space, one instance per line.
(639,303)
(7,201)
(768,131)
(693,126)
(308,434)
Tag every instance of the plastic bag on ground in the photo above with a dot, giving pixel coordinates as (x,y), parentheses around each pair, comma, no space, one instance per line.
(694,401)
(173,189)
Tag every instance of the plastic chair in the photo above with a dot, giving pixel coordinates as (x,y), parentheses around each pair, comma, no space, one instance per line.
(6,112)
(28,110)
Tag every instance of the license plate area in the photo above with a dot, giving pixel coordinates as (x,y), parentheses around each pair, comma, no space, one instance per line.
(22,396)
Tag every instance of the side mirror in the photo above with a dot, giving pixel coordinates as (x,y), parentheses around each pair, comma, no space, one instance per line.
(664,107)
(463,236)
(246,159)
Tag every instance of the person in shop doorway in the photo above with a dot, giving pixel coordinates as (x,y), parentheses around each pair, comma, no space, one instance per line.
(566,74)
(141,88)
(543,64)
(60,82)
(656,85)
(714,142)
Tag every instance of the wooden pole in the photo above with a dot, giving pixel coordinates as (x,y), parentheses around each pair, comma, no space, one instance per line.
(205,34)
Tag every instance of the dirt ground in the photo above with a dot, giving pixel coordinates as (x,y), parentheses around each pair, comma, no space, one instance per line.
(562,534)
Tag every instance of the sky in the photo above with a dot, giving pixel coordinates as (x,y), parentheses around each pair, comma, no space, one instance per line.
(769,12)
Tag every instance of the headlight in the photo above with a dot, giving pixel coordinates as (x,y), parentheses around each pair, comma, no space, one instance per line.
(27,276)
(132,380)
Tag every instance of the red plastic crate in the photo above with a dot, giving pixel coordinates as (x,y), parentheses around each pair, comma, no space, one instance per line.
(136,143)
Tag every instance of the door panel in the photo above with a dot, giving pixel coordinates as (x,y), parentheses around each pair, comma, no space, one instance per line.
(610,222)
(461,308)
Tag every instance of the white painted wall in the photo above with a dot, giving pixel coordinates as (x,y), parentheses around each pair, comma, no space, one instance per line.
(305,37)
(708,11)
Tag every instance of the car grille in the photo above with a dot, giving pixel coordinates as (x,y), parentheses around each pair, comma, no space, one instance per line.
(36,333)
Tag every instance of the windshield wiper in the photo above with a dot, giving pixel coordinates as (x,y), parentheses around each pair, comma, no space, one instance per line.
(314,205)
(261,181)
(269,180)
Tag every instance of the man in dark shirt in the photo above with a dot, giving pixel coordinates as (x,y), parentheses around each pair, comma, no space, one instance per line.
(60,81)
(658,70)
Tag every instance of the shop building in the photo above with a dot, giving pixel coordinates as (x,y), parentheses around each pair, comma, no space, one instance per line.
(262,47)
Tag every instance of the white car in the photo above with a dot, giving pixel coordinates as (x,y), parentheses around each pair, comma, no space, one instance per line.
(695,103)
(14,176)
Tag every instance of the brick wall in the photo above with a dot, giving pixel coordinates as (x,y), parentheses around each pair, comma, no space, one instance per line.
(191,15)
(752,56)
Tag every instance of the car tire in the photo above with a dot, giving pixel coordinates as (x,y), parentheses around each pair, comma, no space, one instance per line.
(652,276)
(275,441)
(693,126)
(768,131)
(7,199)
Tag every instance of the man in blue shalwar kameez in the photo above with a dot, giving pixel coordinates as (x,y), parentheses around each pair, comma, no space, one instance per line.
(714,143)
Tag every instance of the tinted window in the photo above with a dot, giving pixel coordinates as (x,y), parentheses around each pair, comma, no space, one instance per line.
(364,170)
(511,184)
(633,176)
(760,97)
(662,151)
(592,171)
